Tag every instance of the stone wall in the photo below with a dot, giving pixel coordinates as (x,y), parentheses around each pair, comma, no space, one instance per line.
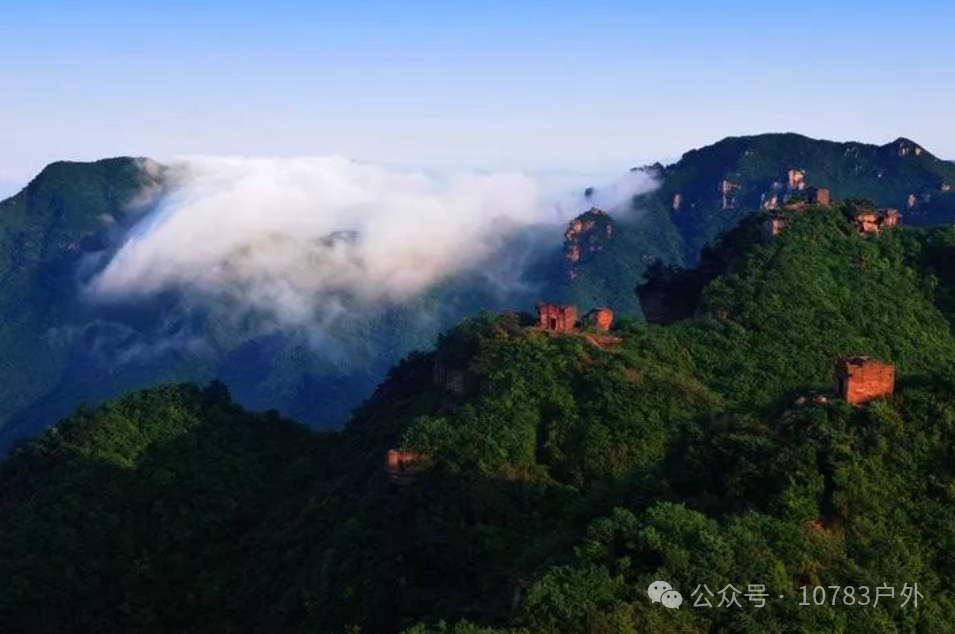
(861,379)
(556,318)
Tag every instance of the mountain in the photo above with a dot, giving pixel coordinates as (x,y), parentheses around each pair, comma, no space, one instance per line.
(523,480)
(46,231)
(61,348)
(710,189)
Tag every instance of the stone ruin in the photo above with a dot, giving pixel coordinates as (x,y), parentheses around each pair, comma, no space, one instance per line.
(775,225)
(821,197)
(559,318)
(556,318)
(861,379)
(402,466)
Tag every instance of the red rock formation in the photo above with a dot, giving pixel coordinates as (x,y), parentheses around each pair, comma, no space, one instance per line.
(727,190)
(868,222)
(586,235)
(601,318)
(820,197)
(555,318)
(770,202)
(861,379)
(797,180)
(873,222)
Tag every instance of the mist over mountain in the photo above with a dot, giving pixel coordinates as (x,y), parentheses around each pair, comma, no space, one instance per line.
(298,242)
(300,281)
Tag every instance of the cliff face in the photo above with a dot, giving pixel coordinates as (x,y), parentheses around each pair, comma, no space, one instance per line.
(586,235)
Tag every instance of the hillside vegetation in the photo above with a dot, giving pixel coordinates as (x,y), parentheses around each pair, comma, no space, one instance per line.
(61,349)
(549,487)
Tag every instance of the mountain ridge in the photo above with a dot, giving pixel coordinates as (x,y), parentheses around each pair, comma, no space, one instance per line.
(711,188)
(547,492)
(53,233)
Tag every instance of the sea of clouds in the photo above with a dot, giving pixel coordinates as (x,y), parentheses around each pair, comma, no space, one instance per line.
(297,239)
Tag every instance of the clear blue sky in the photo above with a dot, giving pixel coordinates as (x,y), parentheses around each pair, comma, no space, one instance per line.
(585,86)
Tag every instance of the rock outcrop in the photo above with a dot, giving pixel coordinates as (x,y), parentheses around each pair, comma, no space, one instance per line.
(586,235)
(904,147)
(601,319)
(728,190)
(797,180)
(873,222)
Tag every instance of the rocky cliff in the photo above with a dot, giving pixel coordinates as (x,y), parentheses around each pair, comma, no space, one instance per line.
(586,235)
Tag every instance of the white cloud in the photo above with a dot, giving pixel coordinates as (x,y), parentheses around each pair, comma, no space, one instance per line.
(296,239)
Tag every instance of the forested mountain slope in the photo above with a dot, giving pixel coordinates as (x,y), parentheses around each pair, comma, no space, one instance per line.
(546,479)
(710,189)
(62,347)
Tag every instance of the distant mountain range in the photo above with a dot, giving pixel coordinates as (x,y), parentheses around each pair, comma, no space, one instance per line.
(61,350)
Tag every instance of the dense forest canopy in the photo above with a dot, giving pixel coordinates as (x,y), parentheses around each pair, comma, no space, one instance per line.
(547,489)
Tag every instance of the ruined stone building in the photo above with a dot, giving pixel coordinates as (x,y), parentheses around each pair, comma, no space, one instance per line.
(861,379)
(556,318)
(402,466)
(821,197)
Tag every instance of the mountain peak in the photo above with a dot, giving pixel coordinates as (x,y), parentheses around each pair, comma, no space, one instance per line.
(906,147)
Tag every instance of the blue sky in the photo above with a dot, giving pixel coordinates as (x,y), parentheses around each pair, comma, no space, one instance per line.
(531,86)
